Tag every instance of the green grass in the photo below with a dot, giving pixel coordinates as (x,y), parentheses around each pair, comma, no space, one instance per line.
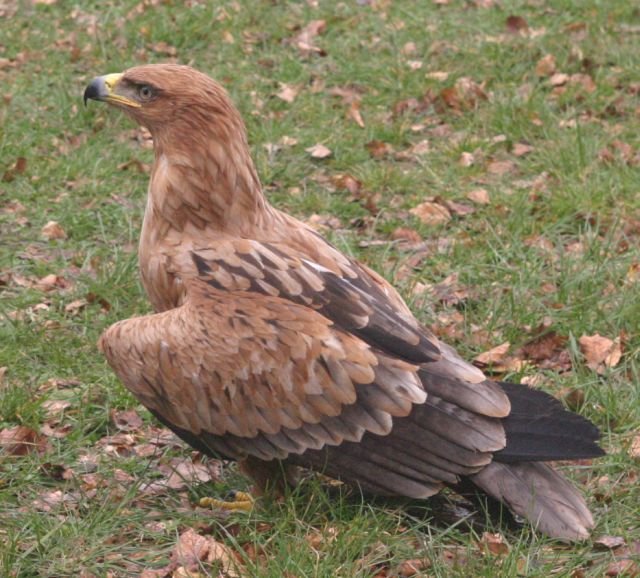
(557,244)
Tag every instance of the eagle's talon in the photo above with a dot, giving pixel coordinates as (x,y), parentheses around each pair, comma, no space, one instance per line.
(238,501)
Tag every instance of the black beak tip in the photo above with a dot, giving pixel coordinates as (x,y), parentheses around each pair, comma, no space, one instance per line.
(93,90)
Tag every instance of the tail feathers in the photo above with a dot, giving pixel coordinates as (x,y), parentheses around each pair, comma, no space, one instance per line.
(539,428)
(540,494)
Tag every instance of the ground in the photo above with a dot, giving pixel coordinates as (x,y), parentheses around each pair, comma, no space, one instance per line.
(482,155)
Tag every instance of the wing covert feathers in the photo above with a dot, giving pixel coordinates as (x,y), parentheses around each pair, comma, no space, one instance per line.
(260,369)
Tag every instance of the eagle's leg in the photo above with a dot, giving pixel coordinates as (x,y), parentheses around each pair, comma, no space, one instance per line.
(271,478)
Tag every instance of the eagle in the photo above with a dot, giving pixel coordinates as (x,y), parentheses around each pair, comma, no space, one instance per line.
(271,347)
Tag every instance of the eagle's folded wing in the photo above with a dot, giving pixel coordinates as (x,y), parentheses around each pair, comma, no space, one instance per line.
(257,375)
(355,304)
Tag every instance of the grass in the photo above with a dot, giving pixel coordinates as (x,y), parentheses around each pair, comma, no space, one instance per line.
(557,245)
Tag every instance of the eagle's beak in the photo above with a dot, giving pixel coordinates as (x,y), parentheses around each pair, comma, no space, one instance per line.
(104,88)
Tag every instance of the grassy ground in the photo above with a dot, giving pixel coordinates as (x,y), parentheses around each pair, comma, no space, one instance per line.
(555,246)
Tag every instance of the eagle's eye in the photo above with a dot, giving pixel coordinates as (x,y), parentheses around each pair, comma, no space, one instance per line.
(145,92)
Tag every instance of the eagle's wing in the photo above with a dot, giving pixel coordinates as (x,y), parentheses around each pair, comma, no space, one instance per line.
(259,376)
(355,304)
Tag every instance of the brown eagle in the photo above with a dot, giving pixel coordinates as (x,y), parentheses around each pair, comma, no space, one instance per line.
(271,347)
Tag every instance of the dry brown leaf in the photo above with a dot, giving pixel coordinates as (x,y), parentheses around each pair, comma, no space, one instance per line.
(493,544)
(609,542)
(406,235)
(479,196)
(55,407)
(287,92)
(546,66)
(501,168)
(75,306)
(354,113)
(20,440)
(410,568)
(516,25)
(413,152)
(494,356)
(378,149)
(183,472)
(303,41)
(600,352)
(19,167)
(126,420)
(431,213)
(583,81)
(347,182)
(53,499)
(521,149)
(323,222)
(559,79)
(634,448)
(53,230)
(546,346)
(193,549)
(466,159)
(460,209)
(319,151)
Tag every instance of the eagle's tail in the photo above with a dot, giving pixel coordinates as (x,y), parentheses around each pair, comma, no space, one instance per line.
(539,429)
(535,491)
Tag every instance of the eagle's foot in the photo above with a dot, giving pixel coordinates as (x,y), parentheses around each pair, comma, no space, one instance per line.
(240,501)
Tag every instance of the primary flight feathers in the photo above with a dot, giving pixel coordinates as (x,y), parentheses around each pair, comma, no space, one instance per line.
(271,347)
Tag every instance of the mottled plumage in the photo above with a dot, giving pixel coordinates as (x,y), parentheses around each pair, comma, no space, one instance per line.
(270,346)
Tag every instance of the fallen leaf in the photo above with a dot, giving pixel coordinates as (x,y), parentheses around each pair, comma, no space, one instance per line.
(583,81)
(634,448)
(55,407)
(431,213)
(516,24)
(319,151)
(455,208)
(20,440)
(354,113)
(559,79)
(494,356)
(287,92)
(501,168)
(347,182)
(413,152)
(378,149)
(53,230)
(494,544)
(546,66)
(126,420)
(466,159)
(53,499)
(323,222)
(410,568)
(75,306)
(19,167)
(546,346)
(406,235)
(521,149)
(193,549)
(609,542)
(183,472)
(303,41)
(600,352)
(479,196)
